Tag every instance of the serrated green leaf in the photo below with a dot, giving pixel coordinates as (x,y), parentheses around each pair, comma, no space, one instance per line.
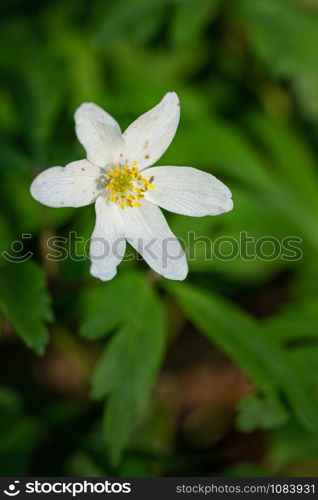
(134,378)
(128,367)
(26,302)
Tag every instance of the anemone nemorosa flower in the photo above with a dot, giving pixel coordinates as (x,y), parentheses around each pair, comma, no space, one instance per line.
(127,193)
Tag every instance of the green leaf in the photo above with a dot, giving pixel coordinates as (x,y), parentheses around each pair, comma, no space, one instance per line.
(305,358)
(109,305)
(25,300)
(284,34)
(256,412)
(129,365)
(248,345)
(297,321)
(18,434)
(134,377)
(290,154)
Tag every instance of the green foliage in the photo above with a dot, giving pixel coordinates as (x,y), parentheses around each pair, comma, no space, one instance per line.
(113,304)
(247,77)
(200,13)
(128,367)
(24,300)
(256,413)
(294,322)
(247,344)
(288,47)
(18,431)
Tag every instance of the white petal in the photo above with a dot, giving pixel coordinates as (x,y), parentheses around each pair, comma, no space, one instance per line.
(75,185)
(150,135)
(108,243)
(188,191)
(147,231)
(99,133)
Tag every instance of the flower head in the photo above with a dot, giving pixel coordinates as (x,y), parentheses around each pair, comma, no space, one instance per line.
(127,194)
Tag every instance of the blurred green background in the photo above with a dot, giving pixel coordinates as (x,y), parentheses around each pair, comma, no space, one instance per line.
(216,375)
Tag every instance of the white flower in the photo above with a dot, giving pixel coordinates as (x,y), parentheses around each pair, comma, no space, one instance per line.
(128,194)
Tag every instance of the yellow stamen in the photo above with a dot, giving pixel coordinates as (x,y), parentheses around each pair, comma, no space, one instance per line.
(126,185)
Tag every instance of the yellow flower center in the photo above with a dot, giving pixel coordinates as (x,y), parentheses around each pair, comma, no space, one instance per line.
(127,186)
